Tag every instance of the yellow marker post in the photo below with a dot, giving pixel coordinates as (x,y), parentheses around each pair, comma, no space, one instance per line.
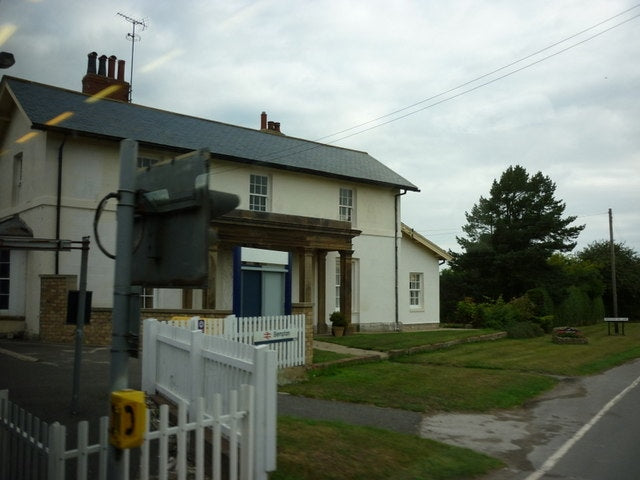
(128,419)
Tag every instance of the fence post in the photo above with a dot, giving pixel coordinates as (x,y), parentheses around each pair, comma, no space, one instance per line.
(4,434)
(247,398)
(149,355)
(195,371)
(57,445)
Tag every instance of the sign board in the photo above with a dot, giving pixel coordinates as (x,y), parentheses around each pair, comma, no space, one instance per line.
(171,225)
(275,336)
(616,319)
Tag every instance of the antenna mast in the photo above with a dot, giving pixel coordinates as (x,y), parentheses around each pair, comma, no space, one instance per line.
(133,38)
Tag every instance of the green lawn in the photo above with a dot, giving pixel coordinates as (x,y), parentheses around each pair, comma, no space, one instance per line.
(540,355)
(321,356)
(335,451)
(468,377)
(423,388)
(384,342)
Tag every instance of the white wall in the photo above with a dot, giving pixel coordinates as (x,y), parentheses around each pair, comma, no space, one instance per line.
(90,171)
(415,258)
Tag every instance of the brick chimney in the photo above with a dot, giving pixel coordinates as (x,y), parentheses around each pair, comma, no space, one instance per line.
(105,77)
(269,126)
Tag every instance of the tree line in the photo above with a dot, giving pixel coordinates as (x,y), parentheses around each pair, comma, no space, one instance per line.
(517,270)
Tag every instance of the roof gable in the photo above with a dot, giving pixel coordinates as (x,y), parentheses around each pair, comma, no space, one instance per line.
(434,249)
(118,120)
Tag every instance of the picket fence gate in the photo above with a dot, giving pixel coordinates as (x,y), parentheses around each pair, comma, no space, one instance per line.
(183,365)
(33,450)
(284,334)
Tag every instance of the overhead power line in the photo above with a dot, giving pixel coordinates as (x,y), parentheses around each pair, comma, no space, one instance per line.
(412,110)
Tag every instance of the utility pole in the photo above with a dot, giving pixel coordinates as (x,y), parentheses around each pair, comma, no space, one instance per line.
(119,371)
(614,292)
(133,38)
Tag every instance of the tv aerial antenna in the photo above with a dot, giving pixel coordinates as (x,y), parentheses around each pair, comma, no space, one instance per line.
(133,37)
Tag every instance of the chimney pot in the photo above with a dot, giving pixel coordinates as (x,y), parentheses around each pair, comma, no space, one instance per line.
(112,66)
(271,125)
(91,62)
(102,65)
(276,126)
(121,70)
(263,121)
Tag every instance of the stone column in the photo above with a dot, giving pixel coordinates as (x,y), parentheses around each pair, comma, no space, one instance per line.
(306,276)
(322,292)
(346,257)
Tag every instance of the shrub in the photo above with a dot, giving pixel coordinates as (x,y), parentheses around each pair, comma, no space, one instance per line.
(546,322)
(338,319)
(468,312)
(541,300)
(575,309)
(524,330)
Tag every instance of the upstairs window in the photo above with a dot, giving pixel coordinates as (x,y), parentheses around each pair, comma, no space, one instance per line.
(416,286)
(345,208)
(258,193)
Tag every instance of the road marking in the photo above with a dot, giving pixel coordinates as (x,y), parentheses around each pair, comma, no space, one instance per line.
(19,356)
(562,451)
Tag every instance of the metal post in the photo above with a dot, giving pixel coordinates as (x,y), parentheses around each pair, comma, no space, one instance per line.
(82,301)
(614,292)
(119,371)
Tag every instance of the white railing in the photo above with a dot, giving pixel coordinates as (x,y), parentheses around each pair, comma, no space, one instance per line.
(284,334)
(30,455)
(184,365)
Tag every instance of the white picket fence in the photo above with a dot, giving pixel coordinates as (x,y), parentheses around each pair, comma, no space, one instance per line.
(33,450)
(284,334)
(183,365)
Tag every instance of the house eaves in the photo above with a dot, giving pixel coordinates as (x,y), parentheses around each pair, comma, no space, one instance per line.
(114,120)
(411,234)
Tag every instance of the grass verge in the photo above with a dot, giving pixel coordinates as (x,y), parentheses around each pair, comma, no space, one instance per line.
(540,355)
(423,388)
(310,449)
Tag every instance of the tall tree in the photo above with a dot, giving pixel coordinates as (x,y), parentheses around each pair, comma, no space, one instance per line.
(627,276)
(511,234)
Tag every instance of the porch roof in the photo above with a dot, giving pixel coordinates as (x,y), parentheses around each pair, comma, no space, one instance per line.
(276,231)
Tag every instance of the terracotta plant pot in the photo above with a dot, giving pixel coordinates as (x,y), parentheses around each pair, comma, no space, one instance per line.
(337,331)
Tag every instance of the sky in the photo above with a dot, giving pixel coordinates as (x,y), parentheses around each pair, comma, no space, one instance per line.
(447,94)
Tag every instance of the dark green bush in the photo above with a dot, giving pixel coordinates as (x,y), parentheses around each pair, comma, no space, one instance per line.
(524,330)
(546,322)
(468,312)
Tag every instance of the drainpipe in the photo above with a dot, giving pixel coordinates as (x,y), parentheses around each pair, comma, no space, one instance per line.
(396,260)
(59,202)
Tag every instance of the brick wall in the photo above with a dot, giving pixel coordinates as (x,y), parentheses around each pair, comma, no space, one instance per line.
(307,310)
(53,314)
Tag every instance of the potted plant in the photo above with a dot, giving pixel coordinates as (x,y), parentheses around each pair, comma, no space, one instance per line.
(338,324)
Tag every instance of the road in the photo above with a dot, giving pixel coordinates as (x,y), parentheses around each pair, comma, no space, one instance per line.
(586,428)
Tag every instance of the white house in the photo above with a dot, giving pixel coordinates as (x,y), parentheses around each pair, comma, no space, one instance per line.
(317,225)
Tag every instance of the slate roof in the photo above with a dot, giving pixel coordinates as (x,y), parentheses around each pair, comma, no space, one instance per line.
(118,120)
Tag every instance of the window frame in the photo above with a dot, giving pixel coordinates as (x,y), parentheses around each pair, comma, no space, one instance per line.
(346,204)
(254,194)
(416,290)
(147,294)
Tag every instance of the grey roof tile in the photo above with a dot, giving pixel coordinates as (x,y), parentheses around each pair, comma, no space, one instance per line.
(119,120)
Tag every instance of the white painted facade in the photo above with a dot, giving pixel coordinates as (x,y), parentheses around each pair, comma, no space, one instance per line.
(90,171)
